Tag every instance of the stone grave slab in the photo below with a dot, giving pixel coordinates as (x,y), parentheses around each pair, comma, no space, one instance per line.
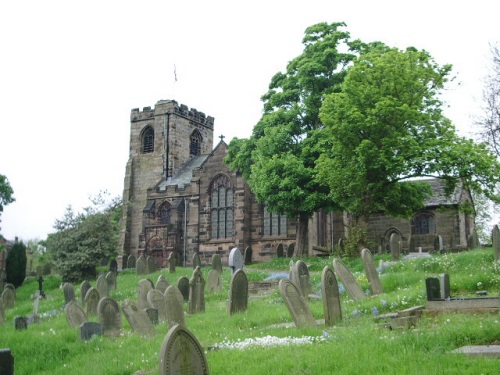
(479,351)
(217,263)
(196,292)
(235,261)
(174,302)
(91,301)
(371,272)
(296,304)
(144,286)
(20,322)
(444,285)
(433,288)
(247,255)
(152,315)
(172,262)
(138,319)
(141,266)
(131,261)
(183,286)
(162,284)
(348,280)
(214,281)
(111,280)
(331,297)
(74,314)
(110,317)
(113,266)
(280,253)
(87,330)
(196,260)
(69,292)
(151,264)
(6,362)
(84,288)
(299,275)
(290,250)
(238,292)
(157,300)
(8,298)
(395,245)
(102,286)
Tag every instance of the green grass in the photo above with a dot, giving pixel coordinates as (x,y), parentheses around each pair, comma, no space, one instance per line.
(355,346)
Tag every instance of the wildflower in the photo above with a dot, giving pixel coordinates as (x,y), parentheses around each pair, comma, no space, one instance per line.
(375,310)
(383,302)
(367,292)
(356,312)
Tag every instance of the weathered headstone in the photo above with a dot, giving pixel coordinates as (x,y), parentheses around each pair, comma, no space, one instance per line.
(113,266)
(444,285)
(74,314)
(348,280)
(495,236)
(183,286)
(141,266)
(196,292)
(111,279)
(172,262)
(433,288)
(289,250)
(157,300)
(235,261)
(6,362)
(300,277)
(248,255)
(110,317)
(91,301)
(151,263)
(196,260)
(371,272)
(438,244)
(395,245)
(214,281)
(2,313)
(411,244)
(279,251)
(162,284)
(238,293)
(296,304)
(20,322)
(181,353)
(153,315)
(138,318)
(8,298)
(175,306)
(341,245)
(217,263)
(69,292)
(89,329)
(46,269)
(84,288)
(144,286)
(102,286)
(331,297)
(131,261)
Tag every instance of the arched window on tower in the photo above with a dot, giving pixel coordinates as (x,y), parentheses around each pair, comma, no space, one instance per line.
(195,143)
(221,208)
(148,140)
(423,223)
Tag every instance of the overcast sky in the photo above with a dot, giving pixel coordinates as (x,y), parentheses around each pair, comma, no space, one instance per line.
(71,71)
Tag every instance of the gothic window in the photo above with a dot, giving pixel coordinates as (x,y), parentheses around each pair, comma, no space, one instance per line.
(221,208)
(148,140)
(164,213)
(274,224)
(195,143)
(423,224)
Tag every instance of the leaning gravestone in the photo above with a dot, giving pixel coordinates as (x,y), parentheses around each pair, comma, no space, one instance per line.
(289,250)
(141,266)
(89,329)
(69,292)
(91,301)
(157,300)
(196,260)
(331,297)
(296,304)
(20,322)
(171,262)
(84,288)
(348,280)
(238,293)
(371,272)
(175,306)
(495,235)
(183,286)
(102,286)
(162,284)
(395,245)
(144,286)
(151,262)
(8,298)
(138,318)
(300,277)
(74,314)
(131,261)
(235,260)
(214,281)
(217,263)
(279,251)
(248,255)
(196,292)
(111,280)
(110,317)
(181,353)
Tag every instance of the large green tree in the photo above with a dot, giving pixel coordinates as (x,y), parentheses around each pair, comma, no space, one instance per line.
(6,193)
(386,126)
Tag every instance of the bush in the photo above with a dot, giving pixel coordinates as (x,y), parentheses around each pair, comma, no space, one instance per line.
(15,264)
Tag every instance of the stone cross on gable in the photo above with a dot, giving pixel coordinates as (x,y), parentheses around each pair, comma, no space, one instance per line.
(221,137)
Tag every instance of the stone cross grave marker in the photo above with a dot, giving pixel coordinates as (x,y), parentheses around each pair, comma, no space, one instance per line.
(69,292)
(102,286)
(300,277)
(157,300)
(20,322)
(131,261)
(495,235)
(217,263)
(89,329)
(84,288)
(248,255)
(296,304)
(348,280)
(8,298)
(74,314)
(196,260)
(371,272)
(138,318)
(183,286)
(279,251)
(110,317)
(171,262)
(141,266)
(196,292)
(175,306)
(238,293)
(235,260)
(331,297)
(111,280)
(151,263)
(144,286)
(214,281)
(162,284)
(395,245)
(91,301)
(181,353)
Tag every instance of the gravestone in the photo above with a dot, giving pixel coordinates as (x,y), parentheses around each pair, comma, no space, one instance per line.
(9,286)
(84,288)
(89,329)
(217,263)
(438,244)
(151,263)
(248,255)
(20,322)
(131,261)
(8,298)
(475,239)
(102,286)
(6,362)
(74,314)
(111,280)
(172,262)
(279,251)
(2,313)
(299,275)
(444,285)
(181,353)
(238,293)
(495,235)
(162,284)
(138,319)
(214,281)
(175,306)
(331,297)
(196,260)
(157,300)
(91,301)
(235,260)
(290,249)
(411,244)
(152,315)
(39,271)
(433,288)
(183,286)
(196,292)
(341,245)
(110,317)
(348,280)
(296,304)
(371,272)
(46,269)
(141,266)
(144,286)
(113,266)
(69,292)
(395,245)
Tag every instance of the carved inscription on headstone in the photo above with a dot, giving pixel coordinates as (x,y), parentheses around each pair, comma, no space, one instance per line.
(110,317)
(174,302)
(69,292)
(102,286)
(296,304)
(131,261)
(74,314)
(91,301)
(141,266)
(138,318)
(144,286)
(196,260)
(151,264)
(162,284)
(331,297)
(157,300)
(238,292)
(196,292)
(371,272)
(84,288)
(214,281)
(395,245)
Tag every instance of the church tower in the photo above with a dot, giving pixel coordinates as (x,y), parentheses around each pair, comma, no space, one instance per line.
(162,140)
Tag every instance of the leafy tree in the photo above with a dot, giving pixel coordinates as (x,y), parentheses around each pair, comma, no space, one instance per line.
(15,264)
(6,193)
(387,126)
(83,239)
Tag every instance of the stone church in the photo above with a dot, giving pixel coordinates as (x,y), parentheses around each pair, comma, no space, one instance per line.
(180,197)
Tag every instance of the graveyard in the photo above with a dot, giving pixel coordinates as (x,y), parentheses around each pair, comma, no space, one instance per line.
(325,316)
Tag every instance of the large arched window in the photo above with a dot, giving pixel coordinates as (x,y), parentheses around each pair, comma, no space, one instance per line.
(221,208)
(274,224)
(148,140)
(423,224)
(195,143)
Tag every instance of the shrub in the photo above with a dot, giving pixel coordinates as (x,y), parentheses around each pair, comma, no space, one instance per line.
(15,264)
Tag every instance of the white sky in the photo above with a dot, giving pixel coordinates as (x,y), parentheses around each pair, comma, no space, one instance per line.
(71,71)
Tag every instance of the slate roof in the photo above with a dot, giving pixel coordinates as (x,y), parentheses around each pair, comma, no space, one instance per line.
(439,198)
(183,177)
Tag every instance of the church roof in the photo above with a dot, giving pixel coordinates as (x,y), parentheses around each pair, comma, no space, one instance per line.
(439,197)
(183,177)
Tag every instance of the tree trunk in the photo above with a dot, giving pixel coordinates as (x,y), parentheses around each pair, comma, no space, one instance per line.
(302,230)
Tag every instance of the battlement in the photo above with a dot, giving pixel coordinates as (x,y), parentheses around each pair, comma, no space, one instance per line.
(171,106)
